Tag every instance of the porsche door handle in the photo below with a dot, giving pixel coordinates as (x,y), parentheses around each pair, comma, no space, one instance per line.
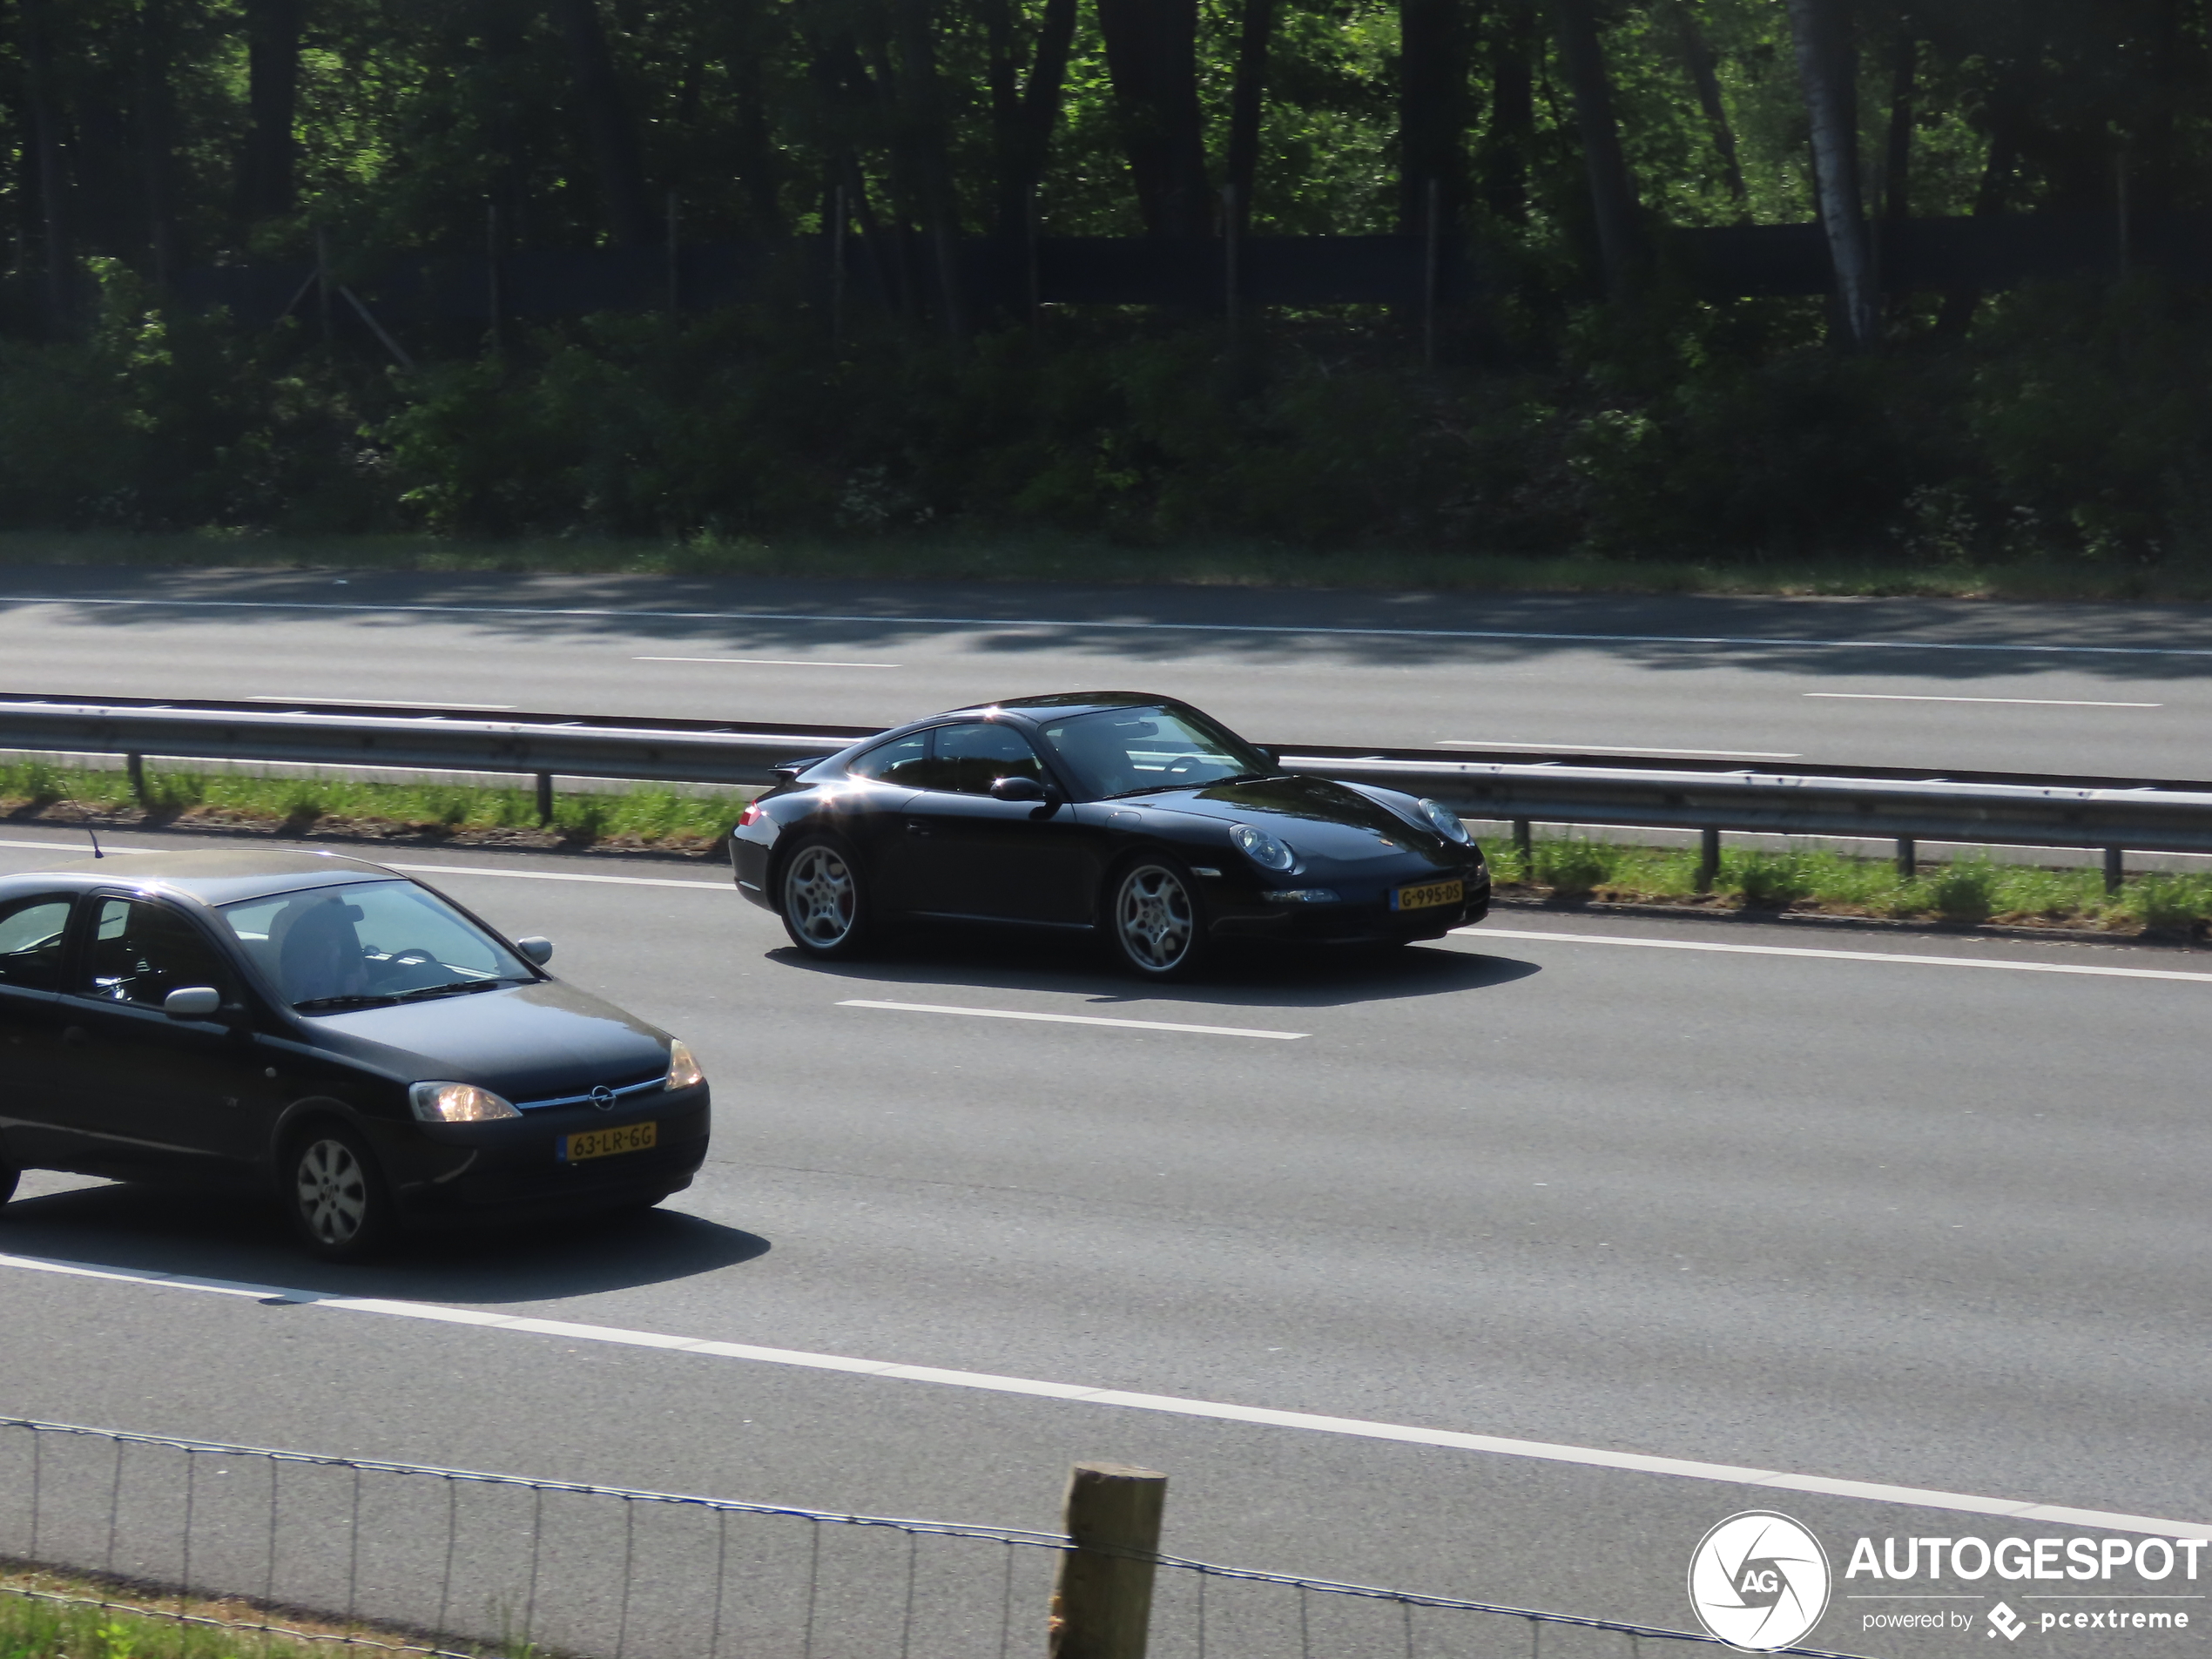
(915,827)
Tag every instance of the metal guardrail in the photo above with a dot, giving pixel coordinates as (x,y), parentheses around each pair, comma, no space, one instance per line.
(2112,815)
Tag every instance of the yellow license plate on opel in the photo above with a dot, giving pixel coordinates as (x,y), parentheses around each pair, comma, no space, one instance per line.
(607,1143)
(1428,895)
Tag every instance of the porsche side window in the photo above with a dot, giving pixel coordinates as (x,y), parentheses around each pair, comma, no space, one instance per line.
(141,953)
(31,933)
(970,759)
(905,761)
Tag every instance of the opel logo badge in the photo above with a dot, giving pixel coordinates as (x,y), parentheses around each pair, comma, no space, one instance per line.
(603,1098)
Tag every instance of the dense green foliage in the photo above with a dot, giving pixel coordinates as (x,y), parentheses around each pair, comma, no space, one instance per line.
(1582,403)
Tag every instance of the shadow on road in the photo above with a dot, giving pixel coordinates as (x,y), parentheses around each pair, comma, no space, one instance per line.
(154,1229)
(1248,980)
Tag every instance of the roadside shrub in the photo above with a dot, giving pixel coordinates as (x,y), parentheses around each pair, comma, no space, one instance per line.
(1574,869)
(1965,890)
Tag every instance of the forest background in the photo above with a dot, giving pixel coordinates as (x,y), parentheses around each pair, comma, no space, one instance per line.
(1585,398)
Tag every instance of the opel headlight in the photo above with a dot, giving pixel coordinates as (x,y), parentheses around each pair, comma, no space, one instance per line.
(457,1103)
(682,1071)
(1261,848)
(1444,821)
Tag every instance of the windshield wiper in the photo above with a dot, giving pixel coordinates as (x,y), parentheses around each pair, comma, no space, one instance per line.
(455,988)
(323,1004)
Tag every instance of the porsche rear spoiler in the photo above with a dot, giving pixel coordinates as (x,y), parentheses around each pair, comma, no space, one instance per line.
(788,770)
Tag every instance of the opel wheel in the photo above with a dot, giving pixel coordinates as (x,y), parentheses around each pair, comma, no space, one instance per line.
(821,898)
(1154,920)
(336,1197)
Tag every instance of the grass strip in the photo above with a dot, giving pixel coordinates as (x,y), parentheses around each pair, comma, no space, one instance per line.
(648,817)
(1971,890)
(1569,869)
(47,1615)
(1043,556)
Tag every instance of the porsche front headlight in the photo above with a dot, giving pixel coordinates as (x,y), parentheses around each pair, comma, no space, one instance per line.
(1261,848)
(1444,821)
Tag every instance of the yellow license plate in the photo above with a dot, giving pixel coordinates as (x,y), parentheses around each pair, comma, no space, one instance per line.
(1428,895)
(605,1142)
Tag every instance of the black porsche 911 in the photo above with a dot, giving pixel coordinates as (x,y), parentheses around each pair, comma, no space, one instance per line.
(1110,812)
(329,1031)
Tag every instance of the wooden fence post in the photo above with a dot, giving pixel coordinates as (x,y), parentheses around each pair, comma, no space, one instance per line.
(1102,1597)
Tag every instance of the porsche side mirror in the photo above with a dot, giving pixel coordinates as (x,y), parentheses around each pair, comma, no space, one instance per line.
(1273,757)
(537,950)
(192,1003)
(1017,788)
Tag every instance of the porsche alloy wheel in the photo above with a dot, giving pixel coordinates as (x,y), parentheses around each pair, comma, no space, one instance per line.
(1157,927)
(822,904)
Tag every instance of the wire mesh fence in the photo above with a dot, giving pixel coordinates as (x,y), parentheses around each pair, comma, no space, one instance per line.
(416,1558)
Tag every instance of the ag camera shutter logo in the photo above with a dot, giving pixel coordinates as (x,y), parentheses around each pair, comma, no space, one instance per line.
(1759,1582)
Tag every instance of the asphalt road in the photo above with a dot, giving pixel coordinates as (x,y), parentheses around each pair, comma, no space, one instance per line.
(2112,690)
(1853,1216)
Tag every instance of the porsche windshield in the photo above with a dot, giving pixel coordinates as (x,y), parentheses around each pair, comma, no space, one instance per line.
(1121,752)
(369,943)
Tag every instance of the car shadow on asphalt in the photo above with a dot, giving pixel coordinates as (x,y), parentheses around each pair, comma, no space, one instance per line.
(1250,977)
(173,1231)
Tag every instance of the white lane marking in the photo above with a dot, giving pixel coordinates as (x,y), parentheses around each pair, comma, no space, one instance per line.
(764,662)
(2036,702)
(1293,629)
(1617,749)
(419,869)
(1076,1019)
(1837,955)
(378,702)
(1361,1429)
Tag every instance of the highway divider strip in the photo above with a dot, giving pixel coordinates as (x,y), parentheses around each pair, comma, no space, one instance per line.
(1076,1393)
(2090,970)
(1076,1019)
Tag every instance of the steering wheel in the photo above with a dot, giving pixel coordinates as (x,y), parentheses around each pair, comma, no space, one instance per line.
(1183,765)
(413,956)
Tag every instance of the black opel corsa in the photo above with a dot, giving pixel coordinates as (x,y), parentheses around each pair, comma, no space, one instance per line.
(1110,813)
(330,1030)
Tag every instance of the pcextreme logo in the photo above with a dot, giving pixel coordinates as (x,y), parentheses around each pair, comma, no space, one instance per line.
(1759,1582)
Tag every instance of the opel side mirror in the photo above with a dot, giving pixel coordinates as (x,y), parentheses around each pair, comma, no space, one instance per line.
(192,1003)
(536,950)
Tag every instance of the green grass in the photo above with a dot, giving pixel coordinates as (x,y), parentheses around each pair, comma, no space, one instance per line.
(991,555)
(1969,890)
(69,1617)
(647,816)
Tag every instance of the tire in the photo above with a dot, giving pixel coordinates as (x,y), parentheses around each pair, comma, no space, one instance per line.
(335,1195)
(9,1176)
(1155,919)
(822,899)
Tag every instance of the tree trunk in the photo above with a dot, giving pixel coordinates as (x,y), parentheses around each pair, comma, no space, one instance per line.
(54,194)
(926,142)
(1151,55)
(1957,313)
(1432,111)
(1036,115)
(1698,57)
(1825,70)
(265,169)
(1613,201)
(1247,100)
(630,218)
(157,136)
(1513,110)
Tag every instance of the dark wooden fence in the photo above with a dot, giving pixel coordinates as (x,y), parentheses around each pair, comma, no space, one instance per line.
(1003,275)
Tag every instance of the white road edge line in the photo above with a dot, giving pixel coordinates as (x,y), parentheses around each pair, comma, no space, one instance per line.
(1076,1019)
(1321,630)
(2036,702)
(417,869)
(764,662)
(1591,1457)
(1834,955)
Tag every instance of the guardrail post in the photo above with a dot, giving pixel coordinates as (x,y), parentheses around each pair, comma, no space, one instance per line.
(1102,1597)
(1708,859)
(2115,868)
(134,768)
(1522,846)
(1908,857)
(544,798)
